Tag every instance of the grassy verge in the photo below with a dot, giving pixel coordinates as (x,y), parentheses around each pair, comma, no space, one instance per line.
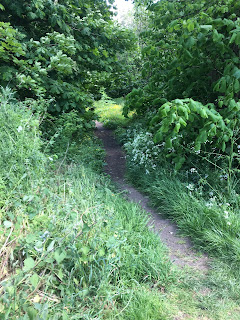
(72,248)
(199,207)
(212,225)
(83,253)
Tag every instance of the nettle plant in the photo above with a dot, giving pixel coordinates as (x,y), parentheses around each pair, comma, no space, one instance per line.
(187,126)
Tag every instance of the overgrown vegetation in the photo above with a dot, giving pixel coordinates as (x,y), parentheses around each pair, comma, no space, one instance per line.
(191,69)
(61,51)
(70,246)
(193,203)
(184,148)
(196,197)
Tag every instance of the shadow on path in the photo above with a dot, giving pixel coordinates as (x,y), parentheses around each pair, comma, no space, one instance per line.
(180,249)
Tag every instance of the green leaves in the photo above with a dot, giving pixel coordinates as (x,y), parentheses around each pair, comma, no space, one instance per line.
(195,56)
(217,37)
(29,263)
(190,25)
(7,224)
(60,256)
(182,122)
(60,50)
(34,280)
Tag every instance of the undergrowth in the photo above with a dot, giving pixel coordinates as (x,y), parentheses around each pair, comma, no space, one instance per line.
(71,247)
(196,200)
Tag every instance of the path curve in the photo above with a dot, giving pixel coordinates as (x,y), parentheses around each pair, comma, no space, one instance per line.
(181,251)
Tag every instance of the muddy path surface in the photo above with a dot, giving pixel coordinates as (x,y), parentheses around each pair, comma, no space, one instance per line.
(181,251)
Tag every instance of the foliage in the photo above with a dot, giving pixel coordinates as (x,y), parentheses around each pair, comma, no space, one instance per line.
(142,151)
(200,212)
(70,246)
(10,52)
(191,49)
(187,125)
(191,68)
(73,248)
(195,199)
(65,132)
(59,51)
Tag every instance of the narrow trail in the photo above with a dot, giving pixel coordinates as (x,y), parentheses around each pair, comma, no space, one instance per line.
(181,251)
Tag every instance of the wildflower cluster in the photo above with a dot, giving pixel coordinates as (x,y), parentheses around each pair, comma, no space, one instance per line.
(142,151)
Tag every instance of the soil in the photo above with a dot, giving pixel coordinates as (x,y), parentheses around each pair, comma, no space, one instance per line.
(181,251)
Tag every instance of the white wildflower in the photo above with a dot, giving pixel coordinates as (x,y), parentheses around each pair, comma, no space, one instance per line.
(45,235)
(190,187)
(38,249)
(19,129)
(223,177)
(209,204)
(226,216)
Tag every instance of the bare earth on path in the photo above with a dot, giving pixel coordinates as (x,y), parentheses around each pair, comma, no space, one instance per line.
(180,249)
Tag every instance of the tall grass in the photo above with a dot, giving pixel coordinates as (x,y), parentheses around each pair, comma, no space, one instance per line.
(86,249)
(198,205)
(71,248)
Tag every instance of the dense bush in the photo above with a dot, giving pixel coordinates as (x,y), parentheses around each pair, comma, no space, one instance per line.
(191,68)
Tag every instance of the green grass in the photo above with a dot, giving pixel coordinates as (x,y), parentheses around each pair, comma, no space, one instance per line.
(213,228)
(110,114)
(73,248)
(96,249)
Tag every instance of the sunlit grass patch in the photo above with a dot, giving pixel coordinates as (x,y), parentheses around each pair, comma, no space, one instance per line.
(110,113)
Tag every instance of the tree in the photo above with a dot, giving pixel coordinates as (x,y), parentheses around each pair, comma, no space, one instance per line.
(63,43)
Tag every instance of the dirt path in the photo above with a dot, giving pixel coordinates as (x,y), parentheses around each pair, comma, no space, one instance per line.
(180,249)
